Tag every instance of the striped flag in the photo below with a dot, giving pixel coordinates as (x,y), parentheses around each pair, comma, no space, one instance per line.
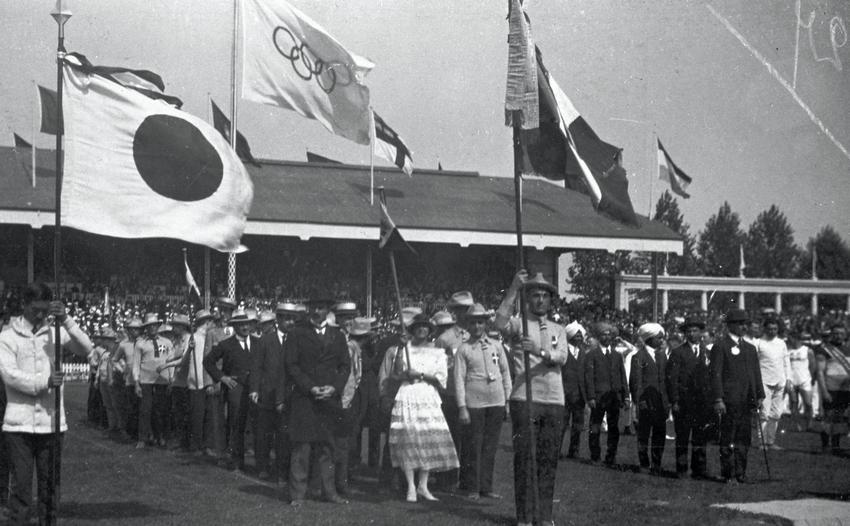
(668,171)
(387,144)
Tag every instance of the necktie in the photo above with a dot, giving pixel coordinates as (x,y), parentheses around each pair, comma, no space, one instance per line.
(696,351)
(545,344)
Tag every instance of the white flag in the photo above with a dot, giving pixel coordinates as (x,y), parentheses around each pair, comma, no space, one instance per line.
(138,167)
(190,279)
(291,62)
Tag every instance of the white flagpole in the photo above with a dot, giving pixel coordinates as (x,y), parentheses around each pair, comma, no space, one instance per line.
(34,126)
(372,158)
(231,257)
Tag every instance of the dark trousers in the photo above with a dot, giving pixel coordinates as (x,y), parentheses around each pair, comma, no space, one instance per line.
(181,415)
(299,469)
(607,405)
(690,429)
(28,451)
(5,470)
(153,412)
(214,430)
(197,412)
(131,411)
(574,421)
(547,421)
(651,425)
(448,479)
(271,435)
(479,440)
(735,439)
(237,420)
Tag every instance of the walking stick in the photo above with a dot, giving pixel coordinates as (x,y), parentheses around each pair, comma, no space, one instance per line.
(761,437)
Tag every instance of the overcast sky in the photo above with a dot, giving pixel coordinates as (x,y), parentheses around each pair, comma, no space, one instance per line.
(715,81)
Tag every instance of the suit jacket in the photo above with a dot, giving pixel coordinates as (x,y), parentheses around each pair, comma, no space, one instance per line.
(268,371)
(314,360)
(235,361)
(604,374)
(572,374)
(688,381)
(735,376)
(647,379)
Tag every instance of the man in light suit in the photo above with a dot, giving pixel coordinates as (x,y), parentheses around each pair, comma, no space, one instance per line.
(737,391)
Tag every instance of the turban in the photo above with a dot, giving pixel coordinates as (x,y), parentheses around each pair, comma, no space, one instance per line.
(650,330)
(574,328)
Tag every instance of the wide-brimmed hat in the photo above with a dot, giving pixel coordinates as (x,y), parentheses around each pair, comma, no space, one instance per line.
(462,298)
(345,308)
(266,316)
(736,316)
(286,307)
(361,327)
(252,313)
(477,311)
(181,319)
(692,322)
(108,334)
(442,318)
(134,323)
(407,315)
(151,318)
(164,328)
(203,315)
(539,282)
(225,302)
(419,320)
(240,316)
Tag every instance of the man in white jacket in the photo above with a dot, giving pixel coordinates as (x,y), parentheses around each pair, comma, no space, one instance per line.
(26,365)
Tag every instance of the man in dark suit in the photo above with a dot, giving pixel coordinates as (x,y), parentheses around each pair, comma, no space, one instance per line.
(572,374)
(689,391)
(317,364)
(737,391)
(235,355)
(606,390)
(647,385)
(268,391)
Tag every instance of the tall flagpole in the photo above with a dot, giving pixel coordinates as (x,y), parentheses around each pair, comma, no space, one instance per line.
(34,107)
(372,160)
(61,14)
(526,362)
(231,257)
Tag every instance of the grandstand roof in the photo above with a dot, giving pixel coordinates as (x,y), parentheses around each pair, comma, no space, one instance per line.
(318,200)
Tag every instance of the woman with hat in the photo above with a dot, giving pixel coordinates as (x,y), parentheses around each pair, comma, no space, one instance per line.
(483,387)
(419,436)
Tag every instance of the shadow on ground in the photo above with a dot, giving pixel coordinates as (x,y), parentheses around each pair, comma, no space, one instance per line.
(111,510)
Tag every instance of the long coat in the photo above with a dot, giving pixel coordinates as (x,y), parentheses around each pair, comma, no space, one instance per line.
(604,374)
(572,374)
(647,380)
(268,371)
(735,375)
(688,382)
(314,360)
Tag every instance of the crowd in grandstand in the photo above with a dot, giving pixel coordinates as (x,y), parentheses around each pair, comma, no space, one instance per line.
(297,381)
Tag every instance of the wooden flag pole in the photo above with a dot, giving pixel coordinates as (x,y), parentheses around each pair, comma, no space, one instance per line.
(61,15)
(526,362)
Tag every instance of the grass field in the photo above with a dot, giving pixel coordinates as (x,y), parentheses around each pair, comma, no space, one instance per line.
(104,482)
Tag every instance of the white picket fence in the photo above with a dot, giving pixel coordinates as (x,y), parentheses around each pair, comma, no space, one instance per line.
(76,371)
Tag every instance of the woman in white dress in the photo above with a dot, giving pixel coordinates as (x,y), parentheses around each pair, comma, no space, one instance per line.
(419,436)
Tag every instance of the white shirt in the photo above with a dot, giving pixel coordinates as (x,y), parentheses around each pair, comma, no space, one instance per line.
(774,361)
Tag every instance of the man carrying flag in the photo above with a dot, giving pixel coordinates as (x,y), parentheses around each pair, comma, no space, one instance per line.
(136,166)
(668,171)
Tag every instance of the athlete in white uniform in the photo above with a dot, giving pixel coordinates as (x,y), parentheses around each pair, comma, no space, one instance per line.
(802,364)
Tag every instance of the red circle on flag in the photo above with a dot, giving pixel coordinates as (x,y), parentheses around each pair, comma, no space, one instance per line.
(175,159)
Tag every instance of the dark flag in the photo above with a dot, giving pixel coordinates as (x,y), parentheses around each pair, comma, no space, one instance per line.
(390,236)
(222,124)
(668,171)
(49,104)
(21,145)
(387,144)
(566,148)
(316,158)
